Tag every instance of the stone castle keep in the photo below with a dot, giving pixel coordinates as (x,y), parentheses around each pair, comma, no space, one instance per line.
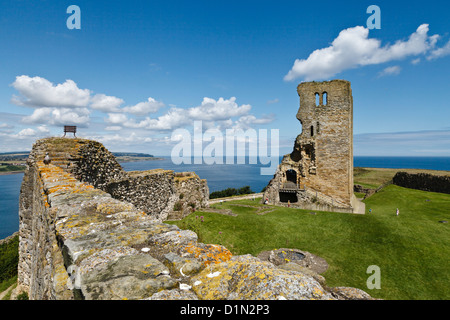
(89,230)
(318,174)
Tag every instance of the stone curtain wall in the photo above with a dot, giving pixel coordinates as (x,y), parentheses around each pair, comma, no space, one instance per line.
(77,242)
(423,181)
(152,191)
(41,271)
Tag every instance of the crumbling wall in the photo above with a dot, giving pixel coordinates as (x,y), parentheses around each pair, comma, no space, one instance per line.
(192,193)
(94,164)
(152,191)
(322,157)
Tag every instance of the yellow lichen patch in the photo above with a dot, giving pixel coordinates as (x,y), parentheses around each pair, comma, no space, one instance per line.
(49,174)
(317,292)
(114,207)
(210,253)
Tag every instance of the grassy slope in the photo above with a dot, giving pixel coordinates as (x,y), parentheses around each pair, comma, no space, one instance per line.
(11,168)
(375,177)
(9,258)
(412,249)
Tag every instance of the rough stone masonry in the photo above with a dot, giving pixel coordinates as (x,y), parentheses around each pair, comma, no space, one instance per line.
(78,242)
(318,173)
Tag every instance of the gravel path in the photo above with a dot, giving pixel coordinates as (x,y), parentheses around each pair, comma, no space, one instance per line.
(243,197)
(2,294)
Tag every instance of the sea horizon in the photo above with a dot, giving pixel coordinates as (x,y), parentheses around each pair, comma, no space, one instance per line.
(218,176)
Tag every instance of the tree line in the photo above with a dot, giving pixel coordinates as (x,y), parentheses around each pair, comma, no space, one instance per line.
(230,192)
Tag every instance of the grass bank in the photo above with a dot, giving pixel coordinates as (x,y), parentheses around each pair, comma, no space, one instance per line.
(374,177)
(9,258)
(11,168)
(411,249)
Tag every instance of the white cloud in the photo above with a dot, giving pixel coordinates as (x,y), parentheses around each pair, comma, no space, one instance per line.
(61,104)
(394,70)
(440,52)
(143,108)
(43,129)
(247,121)
(39,115)
(39,92)
(26,133)
(174,118)
(6,126)
(132,138)
(106,103)
(64,116)
(222,109)
(353,48)
(273,101)
(113,128)
(402,143)
(213,113)
(59,116)
(116,118)
(120,138)
(66,104)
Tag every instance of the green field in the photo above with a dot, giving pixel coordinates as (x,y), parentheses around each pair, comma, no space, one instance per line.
(11,168)
(374,177)
(412,249)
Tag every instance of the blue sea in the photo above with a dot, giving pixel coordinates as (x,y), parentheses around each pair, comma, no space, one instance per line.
(9,203)
(219,177)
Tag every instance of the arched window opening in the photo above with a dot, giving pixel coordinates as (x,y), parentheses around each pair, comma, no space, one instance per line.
(312,131)
(317,99)
(325,98)
(291,176)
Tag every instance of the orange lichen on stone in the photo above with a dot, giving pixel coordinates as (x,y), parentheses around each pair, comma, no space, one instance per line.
(55,179)
(210,253)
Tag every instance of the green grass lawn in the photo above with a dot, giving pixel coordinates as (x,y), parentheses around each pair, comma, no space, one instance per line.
(412,249)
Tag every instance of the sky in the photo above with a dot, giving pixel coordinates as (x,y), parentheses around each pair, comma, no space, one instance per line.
(136,71)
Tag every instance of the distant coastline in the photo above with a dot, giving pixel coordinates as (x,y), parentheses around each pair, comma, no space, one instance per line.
(134,159)
(15,162)
(11,172)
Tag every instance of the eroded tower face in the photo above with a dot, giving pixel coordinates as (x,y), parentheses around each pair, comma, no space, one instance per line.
(325,145)
(320,168)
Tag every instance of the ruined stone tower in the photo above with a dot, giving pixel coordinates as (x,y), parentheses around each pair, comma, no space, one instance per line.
(318,174)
